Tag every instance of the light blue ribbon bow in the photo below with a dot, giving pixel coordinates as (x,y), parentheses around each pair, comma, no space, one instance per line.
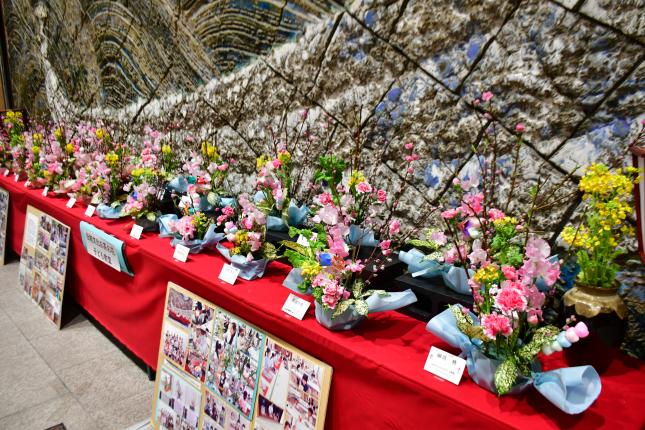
(210,241)
(360,236)
(249,270)
(108,212)
(296,215)
(571,389)
(178,184)
(455,278)
(418,266)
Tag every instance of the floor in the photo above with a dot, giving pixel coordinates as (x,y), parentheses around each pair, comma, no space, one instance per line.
(76,376)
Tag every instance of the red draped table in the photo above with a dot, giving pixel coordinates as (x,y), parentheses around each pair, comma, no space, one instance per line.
(378,379)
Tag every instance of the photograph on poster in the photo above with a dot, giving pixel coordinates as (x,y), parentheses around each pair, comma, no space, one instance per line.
(43,262)
(4,214)
(180,307)
(234,357)
(178,401)
(175,343)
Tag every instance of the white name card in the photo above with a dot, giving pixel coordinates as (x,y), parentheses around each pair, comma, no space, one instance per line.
(181,253)
(136,231)
(45,191)
(295,306)
(102,250)
(27,184)
(445,365)
(71,202)
(6,172)
(90,210)
(229,274)
(15,177)
(302,241)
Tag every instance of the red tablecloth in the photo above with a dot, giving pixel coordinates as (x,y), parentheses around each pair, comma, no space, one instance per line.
(378,379)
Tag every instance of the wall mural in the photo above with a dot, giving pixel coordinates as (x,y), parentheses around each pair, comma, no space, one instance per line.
(396,71)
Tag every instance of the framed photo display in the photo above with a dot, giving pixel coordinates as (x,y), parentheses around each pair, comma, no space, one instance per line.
(218,372)
(4,215)
(43,262)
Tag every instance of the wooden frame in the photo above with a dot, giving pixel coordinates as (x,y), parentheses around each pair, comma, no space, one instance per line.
(247,380)
(638,161)
(43,262)
(4,216)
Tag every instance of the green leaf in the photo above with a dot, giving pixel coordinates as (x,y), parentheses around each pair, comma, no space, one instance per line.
(361,307)
(541,337)
(294,246)
(505,376)
(212,198)
(269,251)
(357,289)
(151,216)
(342,307)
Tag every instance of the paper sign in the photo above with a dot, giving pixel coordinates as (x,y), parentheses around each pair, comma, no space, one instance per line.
(181,253)
(295,306)
(445,365)
(71,202)
(6,172)
(45,191)
(102,250)
(302,241)
(90,211)
(31,230)
(136,231)
(229,274)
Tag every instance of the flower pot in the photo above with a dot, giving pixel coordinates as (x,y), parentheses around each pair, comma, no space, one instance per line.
(604,312)
(345,321)
(147,225)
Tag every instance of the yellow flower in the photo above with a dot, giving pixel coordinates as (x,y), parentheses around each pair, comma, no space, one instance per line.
(261,161)
(35,150)
(210,150)
(58,133)
(284,157)
(486,275)
(100,133)
(69,148)
(310,268)
(112,158)
(37,137)
(166,149)
(356,178)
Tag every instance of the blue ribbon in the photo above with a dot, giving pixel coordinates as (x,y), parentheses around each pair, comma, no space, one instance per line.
(179,185)
(249,270)
(418,266)
(455,278)
(361,236)
(571,389)
(210,240)
(108,212)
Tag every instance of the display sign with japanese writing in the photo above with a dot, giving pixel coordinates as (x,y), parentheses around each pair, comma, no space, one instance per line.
(104,247)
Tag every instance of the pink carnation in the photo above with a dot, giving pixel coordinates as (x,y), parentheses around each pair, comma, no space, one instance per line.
(487,96)
(395,226)
(381,195)
(494,214)
(364,187)
(325,198)
(509,273)
(510,299)
(495,324)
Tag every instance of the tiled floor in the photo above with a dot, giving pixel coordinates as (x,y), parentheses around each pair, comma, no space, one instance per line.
(75,375)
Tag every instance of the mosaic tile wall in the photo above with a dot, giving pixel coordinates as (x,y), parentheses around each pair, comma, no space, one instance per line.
(397,70)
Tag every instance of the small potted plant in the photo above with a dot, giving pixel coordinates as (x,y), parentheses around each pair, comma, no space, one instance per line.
(597,243)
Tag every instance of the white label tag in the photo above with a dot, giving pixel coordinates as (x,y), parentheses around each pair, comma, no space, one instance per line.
(90,211)
(229,274)
(71,202)
(445,365)
(295,306)
(6,172)
(181,253)
(136,231)
(45,191)
(27,184)
(15,177)
(102,250)
(302,241)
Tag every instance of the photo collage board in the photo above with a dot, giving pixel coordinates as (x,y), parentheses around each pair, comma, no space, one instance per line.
(218,372)
(4,216)
(43,262)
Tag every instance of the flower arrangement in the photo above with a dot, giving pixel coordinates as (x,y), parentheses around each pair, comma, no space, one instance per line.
(596,240)
(248,234)
(61,160)
(274,182)
(15,143)
(36,150)
(207,171)
(191,226)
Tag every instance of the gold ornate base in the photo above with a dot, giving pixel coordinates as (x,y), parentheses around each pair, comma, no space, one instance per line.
(591,301)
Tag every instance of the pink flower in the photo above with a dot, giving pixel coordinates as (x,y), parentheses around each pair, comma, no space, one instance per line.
(277,163)
(519,127)
(355,266)
(395,226)
(478,255)
(510,299)
(439,238)
(452,255)
(385,244)
(410,170)
(494,214)
(487,96)
(381,195)
(495,324)
(449,214)
(472,204)
(509,273)
(228,211)
(255,240)
(409,145)
(328,214)
(222,167)
(184,227)
(325,198)
(532,319)
(247,223)
(363,187)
